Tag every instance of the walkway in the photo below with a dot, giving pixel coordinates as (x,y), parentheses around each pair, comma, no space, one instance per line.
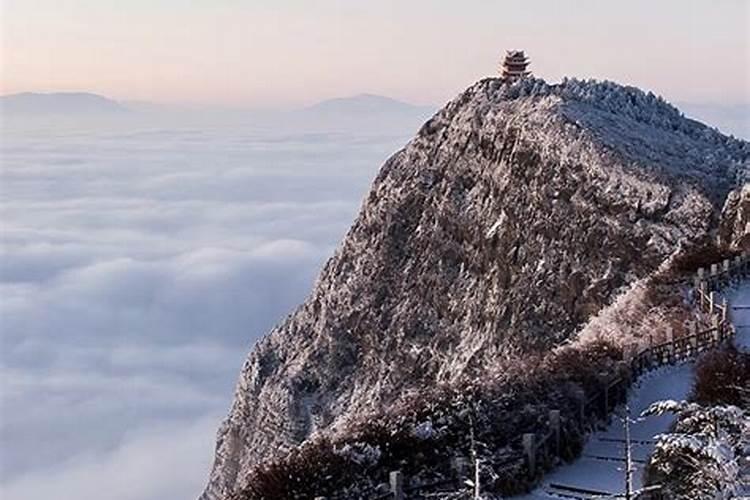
(600,467)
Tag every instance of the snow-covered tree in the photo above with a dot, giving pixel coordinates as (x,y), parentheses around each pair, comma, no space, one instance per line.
(701,457)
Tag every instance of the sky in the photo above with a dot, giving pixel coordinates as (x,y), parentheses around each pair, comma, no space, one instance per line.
(290,52)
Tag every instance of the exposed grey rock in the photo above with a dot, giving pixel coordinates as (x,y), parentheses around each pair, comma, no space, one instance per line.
(515,214)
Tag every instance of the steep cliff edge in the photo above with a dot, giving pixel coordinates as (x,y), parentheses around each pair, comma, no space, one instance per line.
(516,214)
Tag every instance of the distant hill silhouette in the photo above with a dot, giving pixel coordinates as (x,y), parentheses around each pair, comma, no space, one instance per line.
(366,103)
(363,111)
(59,103)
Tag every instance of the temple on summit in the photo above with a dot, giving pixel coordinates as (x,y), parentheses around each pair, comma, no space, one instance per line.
(514,65)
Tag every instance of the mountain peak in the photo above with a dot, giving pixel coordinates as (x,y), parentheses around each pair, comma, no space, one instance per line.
(641,127)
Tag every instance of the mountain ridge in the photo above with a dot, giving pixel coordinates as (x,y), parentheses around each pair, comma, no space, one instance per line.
(517,213)
(365,103)
(41,103)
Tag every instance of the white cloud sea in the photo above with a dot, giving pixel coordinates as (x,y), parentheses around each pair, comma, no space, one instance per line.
(138,264)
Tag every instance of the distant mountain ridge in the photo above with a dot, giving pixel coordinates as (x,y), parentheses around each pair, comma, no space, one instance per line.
(366,103)
(59,103)
(365,112)
(729,119)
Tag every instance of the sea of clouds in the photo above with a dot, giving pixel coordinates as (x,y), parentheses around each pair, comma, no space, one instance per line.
(138,264)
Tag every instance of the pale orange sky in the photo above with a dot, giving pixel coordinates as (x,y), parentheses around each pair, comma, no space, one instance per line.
(289,52)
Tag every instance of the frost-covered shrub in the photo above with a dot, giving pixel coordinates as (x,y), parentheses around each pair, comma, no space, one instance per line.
(700,458)
(639,314)
(298,475)
(642,313)
(582,364)
(723,377)
(701,256)
(424,430)
(361,454)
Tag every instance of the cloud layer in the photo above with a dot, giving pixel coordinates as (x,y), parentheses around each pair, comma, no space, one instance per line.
(137,267)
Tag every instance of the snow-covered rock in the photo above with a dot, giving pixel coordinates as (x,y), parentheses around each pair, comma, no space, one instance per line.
(516,214)
(735,225)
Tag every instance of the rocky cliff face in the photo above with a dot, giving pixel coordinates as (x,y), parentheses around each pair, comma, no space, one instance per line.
(515,214)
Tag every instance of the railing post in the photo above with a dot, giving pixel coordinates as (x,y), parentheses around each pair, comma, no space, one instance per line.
(717,329)
(460,467)
(670,346)
(397,485)
(627,352)
(701,273)
(529,450)
(637,363)
(724,310)
(605,398)
(714,271)
(628,357)
(711,302)
(581,400)
(554,424)
(694,340)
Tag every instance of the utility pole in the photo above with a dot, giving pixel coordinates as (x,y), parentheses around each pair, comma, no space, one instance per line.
(475,459)
(477,463)
(628,457)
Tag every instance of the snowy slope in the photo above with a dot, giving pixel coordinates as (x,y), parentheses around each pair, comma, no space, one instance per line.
(670,382)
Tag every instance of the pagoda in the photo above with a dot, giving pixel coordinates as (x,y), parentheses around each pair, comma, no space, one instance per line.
(514,66)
